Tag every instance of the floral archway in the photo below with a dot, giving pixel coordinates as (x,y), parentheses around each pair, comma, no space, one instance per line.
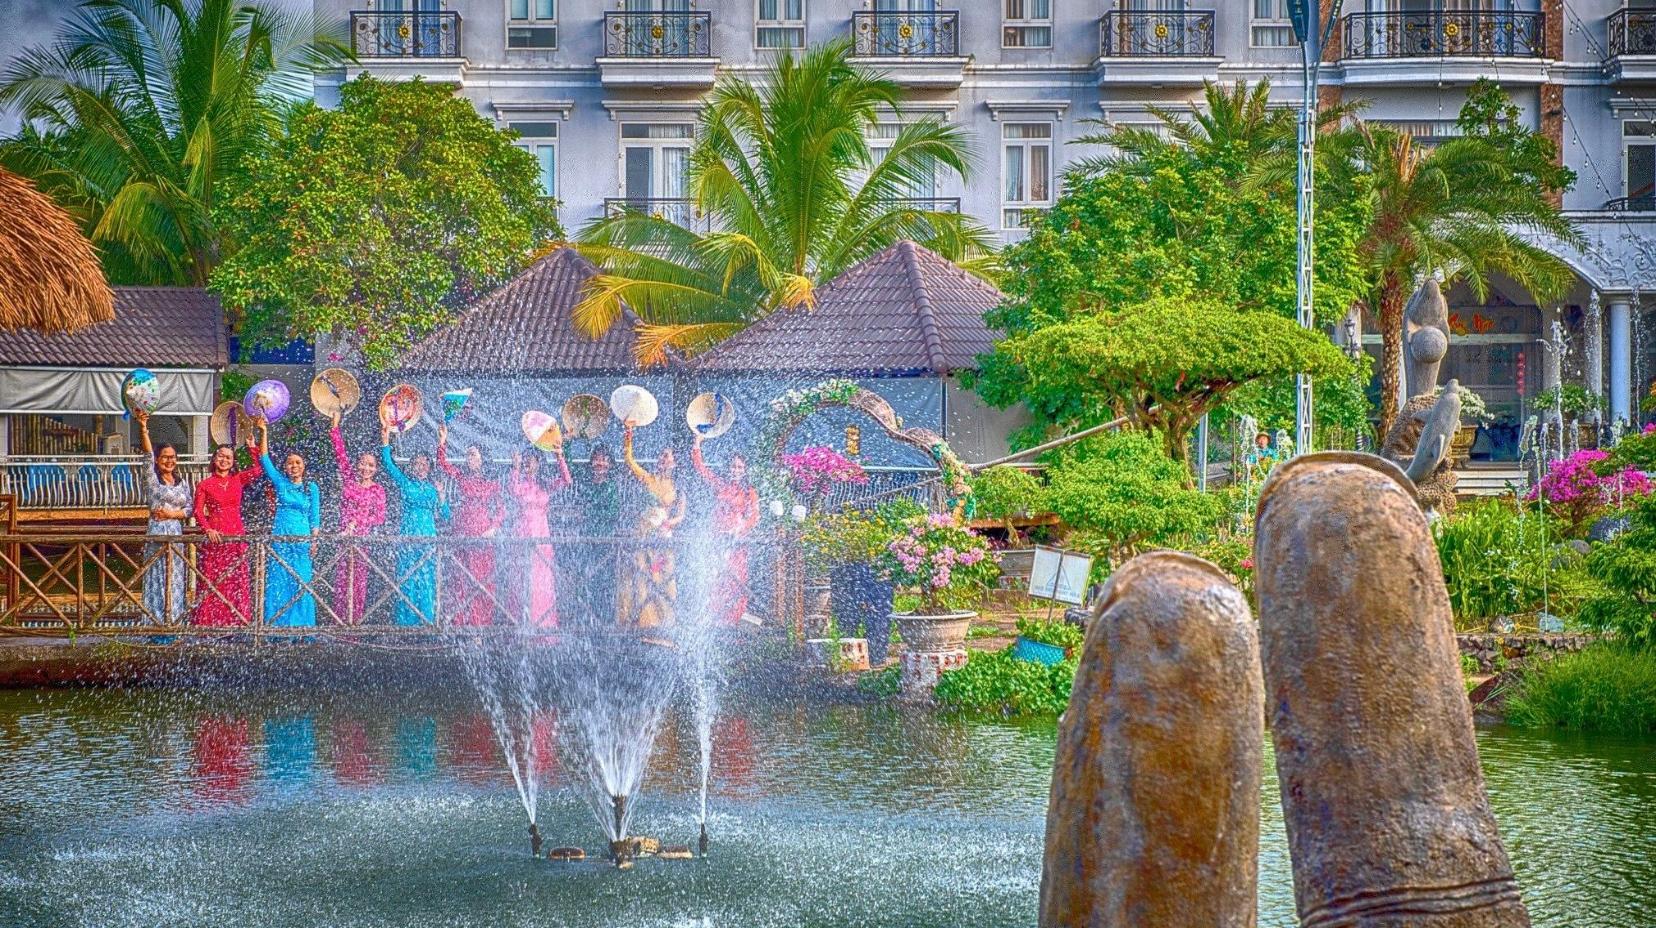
(792,408)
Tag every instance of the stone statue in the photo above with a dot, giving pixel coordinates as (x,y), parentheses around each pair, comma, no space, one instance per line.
(1420,437)
(1152,820)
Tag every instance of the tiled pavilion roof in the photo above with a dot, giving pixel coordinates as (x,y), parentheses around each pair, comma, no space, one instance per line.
(153,327)
(903,309)
(527,325)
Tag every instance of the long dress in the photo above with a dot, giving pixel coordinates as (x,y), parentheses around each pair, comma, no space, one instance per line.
(470,599)
(361,510)
(167,576)
(648,595)
(288,600)
(421,507)
(735,513)
(589,567)
(225,594)
(541,601)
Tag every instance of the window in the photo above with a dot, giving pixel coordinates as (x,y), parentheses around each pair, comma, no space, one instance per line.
(541,140)
(1639,164)
(1271,26)
(923,186)
(655,167)
(532,24)
(1028,24)
(780,24)
(1026,168)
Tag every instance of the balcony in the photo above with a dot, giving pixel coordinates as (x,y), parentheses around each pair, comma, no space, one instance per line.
(1632,52)
(680,211)
(395,46)
(915,49)
(1156,48)
(925,204)
(84,483)
(658,51)
(1386,48)
(1640,203)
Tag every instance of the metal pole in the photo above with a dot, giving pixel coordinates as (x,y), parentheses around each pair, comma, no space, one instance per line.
(1310,55)
(1202,453)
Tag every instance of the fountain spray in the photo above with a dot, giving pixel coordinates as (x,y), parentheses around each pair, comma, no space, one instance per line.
(620,849)
(534,839)
(701,844)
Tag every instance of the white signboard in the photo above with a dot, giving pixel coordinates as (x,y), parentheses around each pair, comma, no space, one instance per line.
(1060,575)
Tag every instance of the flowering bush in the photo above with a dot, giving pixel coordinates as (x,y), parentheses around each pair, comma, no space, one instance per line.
(819,467)
(947,565)
(1578,493)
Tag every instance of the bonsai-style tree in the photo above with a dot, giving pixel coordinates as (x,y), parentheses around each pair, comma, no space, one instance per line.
(1120,493)
(375,222)
(1163,364)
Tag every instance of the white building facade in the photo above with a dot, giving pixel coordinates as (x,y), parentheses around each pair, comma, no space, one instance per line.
(606,95)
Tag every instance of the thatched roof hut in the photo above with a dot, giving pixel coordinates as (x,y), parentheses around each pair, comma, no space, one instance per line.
(50,278)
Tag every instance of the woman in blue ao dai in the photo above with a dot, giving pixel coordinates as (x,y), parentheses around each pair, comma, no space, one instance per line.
(288,600)
(422,506)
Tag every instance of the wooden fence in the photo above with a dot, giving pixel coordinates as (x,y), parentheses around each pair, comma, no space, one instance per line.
(63,585)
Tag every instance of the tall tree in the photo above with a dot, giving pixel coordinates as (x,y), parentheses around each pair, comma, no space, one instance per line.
(1462,208)
(376,221)
(139,111)
(784,173)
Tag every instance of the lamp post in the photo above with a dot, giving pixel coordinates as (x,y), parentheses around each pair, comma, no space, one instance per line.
(1313,32)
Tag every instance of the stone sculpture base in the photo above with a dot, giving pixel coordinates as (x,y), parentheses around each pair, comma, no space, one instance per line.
(920,670)
(1436,492)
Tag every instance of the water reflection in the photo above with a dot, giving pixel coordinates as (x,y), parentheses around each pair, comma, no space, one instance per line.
(160,808)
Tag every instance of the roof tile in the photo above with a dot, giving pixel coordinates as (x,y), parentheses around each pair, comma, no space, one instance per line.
(528,325)
(905,308)
(153,327)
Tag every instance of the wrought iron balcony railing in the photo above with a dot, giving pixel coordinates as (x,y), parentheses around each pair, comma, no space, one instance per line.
(681,34)
(926,204)
(680,211)
(1156,34)
(1632,32)
(82,483)
(1445,33)
(433,34)
(934,34)
(1638,203)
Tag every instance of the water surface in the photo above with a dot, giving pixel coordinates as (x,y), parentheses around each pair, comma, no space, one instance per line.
(159,808)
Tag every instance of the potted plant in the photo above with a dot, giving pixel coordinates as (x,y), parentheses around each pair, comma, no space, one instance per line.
(949,568)
(1574,403)
(812,473)
(1474,415)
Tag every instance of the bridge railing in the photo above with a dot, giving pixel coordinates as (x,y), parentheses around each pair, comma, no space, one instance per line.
(83,483)
(61,585)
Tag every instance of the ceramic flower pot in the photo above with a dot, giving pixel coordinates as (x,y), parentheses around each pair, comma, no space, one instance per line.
(933,633)
(853,654)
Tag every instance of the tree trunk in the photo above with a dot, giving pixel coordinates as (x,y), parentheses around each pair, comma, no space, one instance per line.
(1175,435)
(1392,300)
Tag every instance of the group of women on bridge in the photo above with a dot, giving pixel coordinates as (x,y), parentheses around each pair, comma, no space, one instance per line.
(501,562)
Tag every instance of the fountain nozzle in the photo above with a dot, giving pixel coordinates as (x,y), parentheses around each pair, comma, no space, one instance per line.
(534,839)
(701,843)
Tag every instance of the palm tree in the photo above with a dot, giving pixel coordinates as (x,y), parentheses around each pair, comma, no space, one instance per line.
(137,112)
(783,171)
(1237,125)
(1461,208)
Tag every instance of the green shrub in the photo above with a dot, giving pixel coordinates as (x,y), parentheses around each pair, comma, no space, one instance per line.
(1122,494)
(1004,493)
(1059,634)
(883,683)
(1607,687)
(1627,569)
(996,682)
(1500,561)
(1232,555)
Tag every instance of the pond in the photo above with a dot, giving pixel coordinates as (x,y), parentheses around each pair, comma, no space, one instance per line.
(162,808)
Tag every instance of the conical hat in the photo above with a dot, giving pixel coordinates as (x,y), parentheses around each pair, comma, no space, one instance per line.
(400,407)
(335,391)
(633,403)
(710,415)
(585,416)
(228,424)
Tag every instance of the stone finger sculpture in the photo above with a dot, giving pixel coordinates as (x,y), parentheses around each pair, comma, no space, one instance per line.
(1388,823)
(1425,337)
(1154,812)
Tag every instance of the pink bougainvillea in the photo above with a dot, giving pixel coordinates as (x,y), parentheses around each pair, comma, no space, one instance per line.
(1577,494)
(818,468)
(947,564)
